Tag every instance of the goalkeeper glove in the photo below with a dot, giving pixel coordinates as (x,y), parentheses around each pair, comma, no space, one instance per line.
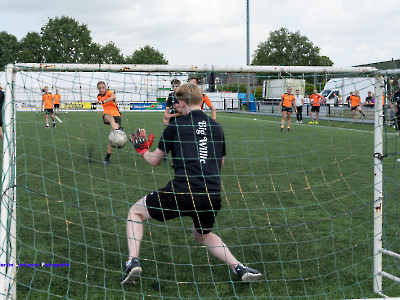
(140,142)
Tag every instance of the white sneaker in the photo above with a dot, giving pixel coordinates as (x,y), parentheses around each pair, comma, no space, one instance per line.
(301,122)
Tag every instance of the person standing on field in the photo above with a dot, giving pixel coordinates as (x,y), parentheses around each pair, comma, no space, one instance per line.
(48,104)
(315,99)
(57,98)
(299,102)
(286,104)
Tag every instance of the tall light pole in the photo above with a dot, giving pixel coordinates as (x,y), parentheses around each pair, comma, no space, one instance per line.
(248,54)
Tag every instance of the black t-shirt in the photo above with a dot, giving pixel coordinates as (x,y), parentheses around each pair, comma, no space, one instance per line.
(197,145)
(368,99)
(396,98)
(171,101)
(1,100)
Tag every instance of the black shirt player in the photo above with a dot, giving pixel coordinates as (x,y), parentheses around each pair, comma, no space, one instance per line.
(197,145)
(172,106)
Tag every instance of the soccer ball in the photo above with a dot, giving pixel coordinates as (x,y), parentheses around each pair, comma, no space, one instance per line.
(117,139)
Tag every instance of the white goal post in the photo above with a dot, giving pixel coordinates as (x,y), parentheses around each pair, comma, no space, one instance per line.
(8,200)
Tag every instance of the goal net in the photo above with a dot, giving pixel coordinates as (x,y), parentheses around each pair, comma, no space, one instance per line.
(307,208)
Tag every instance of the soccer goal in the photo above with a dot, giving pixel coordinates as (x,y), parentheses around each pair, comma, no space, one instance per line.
(311,203)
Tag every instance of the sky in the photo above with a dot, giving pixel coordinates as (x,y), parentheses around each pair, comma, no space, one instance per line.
(213,32)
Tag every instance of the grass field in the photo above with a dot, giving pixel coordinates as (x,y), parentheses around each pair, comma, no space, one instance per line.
(297,206)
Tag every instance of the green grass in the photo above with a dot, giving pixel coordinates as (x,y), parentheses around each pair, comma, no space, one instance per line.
(297,206)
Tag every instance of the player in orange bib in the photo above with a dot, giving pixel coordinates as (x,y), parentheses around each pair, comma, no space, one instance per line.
(48,101)
(315,99)
(206,100)
(57,98)
(111,114)
(355,103)
(286,104)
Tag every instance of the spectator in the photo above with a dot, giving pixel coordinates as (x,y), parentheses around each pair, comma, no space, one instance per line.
(299,102)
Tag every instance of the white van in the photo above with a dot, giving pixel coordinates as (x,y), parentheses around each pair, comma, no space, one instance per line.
(343,87)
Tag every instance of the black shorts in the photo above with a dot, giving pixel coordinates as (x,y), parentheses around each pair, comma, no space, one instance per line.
(48,111)
(163,205)
(116,119)
(56,105)
(1,119)
(354,107)
(288,109)
(315,108)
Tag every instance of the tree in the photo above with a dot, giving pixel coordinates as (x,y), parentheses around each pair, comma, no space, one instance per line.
(30,48)
(110,54)
(148,56)
(93,55)
(64,40)
(286,48)
(8,48)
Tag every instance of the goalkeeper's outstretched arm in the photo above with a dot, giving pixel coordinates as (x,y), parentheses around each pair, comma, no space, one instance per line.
(154,158)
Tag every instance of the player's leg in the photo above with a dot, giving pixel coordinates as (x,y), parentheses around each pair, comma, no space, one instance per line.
(300,111)
(108,119)
(217,248)
(47,119)
(134,227)
(54,122)
(360,110)
(1,132)
(354,116)
(134,232)
(311,116)
(115,124)
(283,118)
(289,117)
(317,118)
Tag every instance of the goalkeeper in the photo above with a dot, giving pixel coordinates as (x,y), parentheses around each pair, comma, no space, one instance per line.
(197,145)
(111,114)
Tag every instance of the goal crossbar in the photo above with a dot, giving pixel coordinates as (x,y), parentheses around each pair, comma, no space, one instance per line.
(193,68)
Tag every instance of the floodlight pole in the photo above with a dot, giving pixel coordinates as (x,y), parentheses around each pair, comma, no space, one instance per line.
(248,54)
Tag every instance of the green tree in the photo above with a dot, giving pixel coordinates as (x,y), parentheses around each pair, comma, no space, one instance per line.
(111,54)
(8,49)
(93,55)
(64,40)
(147,55)
(287,48)
(30,48)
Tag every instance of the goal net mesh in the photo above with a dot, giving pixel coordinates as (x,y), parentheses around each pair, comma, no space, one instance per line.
(297,206)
